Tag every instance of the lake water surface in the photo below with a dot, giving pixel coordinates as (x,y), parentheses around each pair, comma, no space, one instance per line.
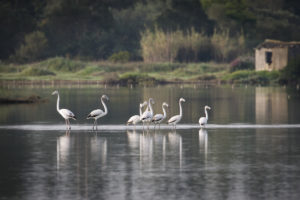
(249,150)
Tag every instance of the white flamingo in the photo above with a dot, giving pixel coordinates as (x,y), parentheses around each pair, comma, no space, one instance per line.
(175,119)
(158,118)
(65,113)
(136,118)
(148,114)
(203,120)
(96,114)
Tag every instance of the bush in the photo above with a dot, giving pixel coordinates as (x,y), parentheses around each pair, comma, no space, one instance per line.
(122,57)
(136,78)
(63,64)
(291,73)
(160,46)
(33,71)
(252,77)
(242,63)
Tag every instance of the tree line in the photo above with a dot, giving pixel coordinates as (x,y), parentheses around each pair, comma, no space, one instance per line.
(149,30)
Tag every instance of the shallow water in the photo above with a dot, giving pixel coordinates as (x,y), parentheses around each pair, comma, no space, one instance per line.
(250,149)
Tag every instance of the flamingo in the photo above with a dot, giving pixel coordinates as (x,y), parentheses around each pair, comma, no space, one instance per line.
(96,114)
(158,118)
(148,114)
(136,118)
(175,119)
(65,113)
(203,120)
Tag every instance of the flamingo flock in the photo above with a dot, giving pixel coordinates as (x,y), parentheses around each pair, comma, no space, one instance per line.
(147,116)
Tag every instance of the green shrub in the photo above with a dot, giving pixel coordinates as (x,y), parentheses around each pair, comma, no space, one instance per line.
(160,46)
(122,57)
(252,77)
(136,78)
(291,73)
(62,64)
(33,71)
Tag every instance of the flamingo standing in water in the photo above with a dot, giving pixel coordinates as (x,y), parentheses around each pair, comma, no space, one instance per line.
(96,114)
(175,119)
(136,118)
(148,114)
(203,120)
(158,118)
(65,113)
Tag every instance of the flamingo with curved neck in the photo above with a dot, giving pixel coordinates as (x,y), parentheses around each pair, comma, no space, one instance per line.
(175,119)
(96,114)
(203,120)
(148,114)
(158,118)
(65,113)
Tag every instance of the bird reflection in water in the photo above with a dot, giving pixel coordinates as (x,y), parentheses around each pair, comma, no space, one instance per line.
(62,149)
(203,140)
(156,147)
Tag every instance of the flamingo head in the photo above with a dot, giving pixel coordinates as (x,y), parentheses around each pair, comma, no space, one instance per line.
(143,104)
(104,97)
(207,107)
(165,104)
(181,100)
(55,92)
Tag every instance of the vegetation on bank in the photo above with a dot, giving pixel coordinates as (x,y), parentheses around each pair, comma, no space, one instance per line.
(240,71)
(188,31)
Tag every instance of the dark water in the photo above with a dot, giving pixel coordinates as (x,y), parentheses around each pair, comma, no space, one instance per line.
(255,154)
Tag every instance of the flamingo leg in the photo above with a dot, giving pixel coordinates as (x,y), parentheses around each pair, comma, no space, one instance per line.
(69,126)
(96,125)
(66,124)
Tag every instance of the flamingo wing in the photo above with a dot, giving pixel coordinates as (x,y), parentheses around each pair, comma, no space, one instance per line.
(146,115)
(134,119)
(202,121)
(157,118)
(96,114)
(67,114)
(174,119)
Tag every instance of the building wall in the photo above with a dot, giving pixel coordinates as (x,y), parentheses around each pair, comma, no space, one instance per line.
(279,58)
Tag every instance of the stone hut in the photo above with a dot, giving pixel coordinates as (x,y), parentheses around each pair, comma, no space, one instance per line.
(274,55)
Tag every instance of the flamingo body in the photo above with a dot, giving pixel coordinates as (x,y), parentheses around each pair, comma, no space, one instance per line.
(134,119)
(67,114)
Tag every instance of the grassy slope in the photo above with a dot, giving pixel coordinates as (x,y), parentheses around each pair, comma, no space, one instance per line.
(135,72)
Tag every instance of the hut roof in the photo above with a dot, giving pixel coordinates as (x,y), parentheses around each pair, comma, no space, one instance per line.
(276,43)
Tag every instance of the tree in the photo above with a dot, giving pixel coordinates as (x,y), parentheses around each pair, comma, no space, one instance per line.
(34,47)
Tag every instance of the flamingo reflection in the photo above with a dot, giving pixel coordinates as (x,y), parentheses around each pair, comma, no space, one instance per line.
(203,140)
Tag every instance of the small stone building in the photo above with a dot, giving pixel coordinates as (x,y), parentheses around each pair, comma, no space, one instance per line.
(274,55)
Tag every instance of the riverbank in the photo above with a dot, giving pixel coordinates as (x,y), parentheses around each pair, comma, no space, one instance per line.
(57,70)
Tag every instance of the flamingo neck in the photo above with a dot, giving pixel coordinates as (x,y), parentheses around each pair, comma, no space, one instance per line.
(57,103)
(141,111)
(206,115)
(164,111)
(180,108)
(150,107)
(104,105)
